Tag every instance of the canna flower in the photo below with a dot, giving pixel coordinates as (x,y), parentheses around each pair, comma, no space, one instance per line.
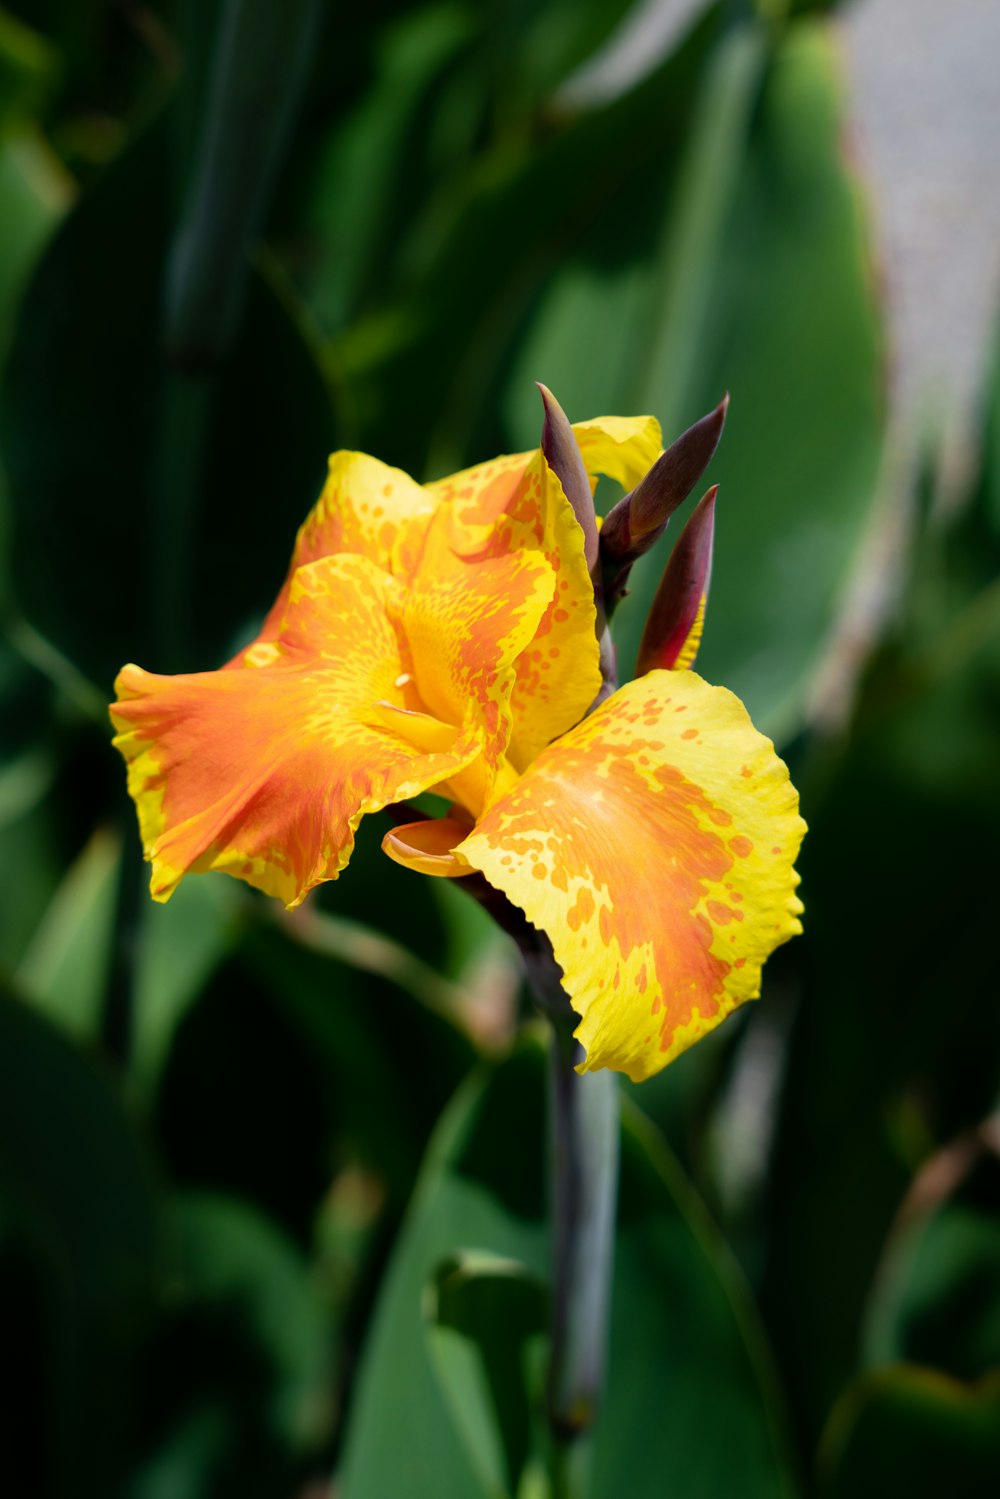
(443,637)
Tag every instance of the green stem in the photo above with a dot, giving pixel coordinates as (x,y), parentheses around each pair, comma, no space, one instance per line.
(584,1175)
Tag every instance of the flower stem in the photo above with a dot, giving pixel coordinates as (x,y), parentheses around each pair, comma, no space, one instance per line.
(584,1175)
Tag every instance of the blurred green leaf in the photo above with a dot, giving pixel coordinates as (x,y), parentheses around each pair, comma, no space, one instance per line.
(180,945)
(74,1192)
(31,865)
(761,284)
(529,215)
(482,1314)
(92,510)
(34,195)
(229,1257)
(937,1298)
(235,1377)
(873,1079)
(916,1432)
(65,970)
(28,66)
(359,1027)
(257,74)
(71,1165)
(678,1310)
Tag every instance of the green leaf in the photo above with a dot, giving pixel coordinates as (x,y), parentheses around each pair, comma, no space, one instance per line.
(28,66)
(180,945)
(686,1358)
(128,529)
(914,1431)
(937,1298)
(65,970)
(228,1257)
(34,195)
(234,1392)
(485,1318)
(67,1153)
(75,1195)
(758,279)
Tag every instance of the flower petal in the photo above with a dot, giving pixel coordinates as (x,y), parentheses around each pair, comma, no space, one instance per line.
(623,447)
(468,620)
(427,846)
(362,507)
(264,770)
(655,845)
(517,507)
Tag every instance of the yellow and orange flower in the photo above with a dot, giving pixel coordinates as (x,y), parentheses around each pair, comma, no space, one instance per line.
(441,638)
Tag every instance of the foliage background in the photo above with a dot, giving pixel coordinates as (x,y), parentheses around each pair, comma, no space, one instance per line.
(230,1262)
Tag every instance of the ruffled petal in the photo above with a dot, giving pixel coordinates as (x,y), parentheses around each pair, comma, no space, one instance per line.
(363,505)
(468,619)
(655,846)
(516,507)
(622,447)
(265,770)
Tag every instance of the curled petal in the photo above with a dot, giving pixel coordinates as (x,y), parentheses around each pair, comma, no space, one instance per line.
(655,845)
(427,846)
(265,769)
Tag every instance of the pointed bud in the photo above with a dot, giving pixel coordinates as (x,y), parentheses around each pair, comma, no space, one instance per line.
(563,455)
(673,629)
(638,520)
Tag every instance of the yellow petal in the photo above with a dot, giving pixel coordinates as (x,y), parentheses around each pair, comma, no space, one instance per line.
(264,770)
(655,845)
(363,505)
(467,621)
(623,447)
(515,506)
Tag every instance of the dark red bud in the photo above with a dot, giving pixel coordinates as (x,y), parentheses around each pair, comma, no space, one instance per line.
(682,588)
(638,520)
(562,452)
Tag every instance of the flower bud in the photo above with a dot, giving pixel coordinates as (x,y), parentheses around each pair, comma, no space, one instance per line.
(673,629)
(562,452)
(639,520)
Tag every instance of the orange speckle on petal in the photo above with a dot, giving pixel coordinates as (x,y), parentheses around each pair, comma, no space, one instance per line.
(741,847)
(720,914)
(690,734)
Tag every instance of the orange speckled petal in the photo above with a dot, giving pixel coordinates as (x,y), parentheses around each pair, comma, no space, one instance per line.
(623,447)
(363,505)
(655,845)
(516,507)
(467,622)
(264,770)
